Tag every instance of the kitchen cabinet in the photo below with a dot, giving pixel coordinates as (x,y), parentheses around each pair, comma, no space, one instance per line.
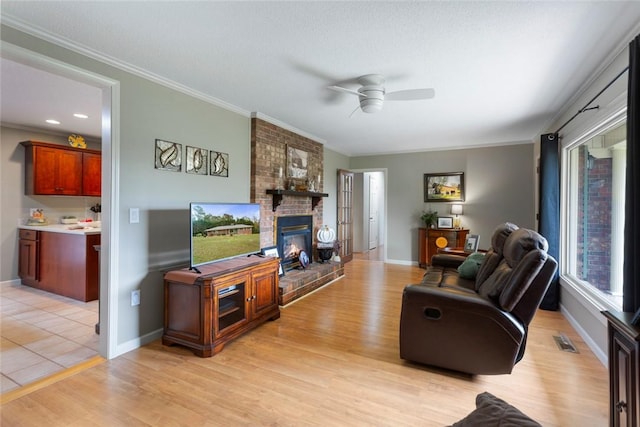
(28,249)
(91,174)
(52,169)
(63,263)
(203,311)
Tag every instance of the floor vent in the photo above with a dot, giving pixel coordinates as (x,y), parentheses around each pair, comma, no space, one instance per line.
(564,343)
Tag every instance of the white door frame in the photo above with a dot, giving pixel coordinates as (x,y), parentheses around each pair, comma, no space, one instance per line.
(385,173)
(109,258)
(373,240)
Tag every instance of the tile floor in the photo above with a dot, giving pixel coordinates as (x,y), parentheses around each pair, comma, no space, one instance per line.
(42,333)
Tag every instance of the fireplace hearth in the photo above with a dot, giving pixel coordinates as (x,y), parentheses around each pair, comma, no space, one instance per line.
(293,235)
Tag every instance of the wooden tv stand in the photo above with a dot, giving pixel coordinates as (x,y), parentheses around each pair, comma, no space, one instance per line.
(203,311)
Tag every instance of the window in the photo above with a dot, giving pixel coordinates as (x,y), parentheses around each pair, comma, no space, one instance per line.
(593,211)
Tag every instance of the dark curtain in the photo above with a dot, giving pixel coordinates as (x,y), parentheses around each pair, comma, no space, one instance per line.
(549,205)
(631,269)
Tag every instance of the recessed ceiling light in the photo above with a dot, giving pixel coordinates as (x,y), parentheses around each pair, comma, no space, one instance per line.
(53,122)
(81,116)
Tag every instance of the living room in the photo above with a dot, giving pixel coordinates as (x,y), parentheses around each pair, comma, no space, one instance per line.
(139,253)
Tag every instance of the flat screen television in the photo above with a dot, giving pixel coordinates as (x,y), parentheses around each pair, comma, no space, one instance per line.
(223,230)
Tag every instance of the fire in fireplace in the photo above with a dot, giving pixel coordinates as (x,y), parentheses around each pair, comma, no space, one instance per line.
(294,234)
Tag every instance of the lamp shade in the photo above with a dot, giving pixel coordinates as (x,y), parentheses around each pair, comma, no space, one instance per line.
(456,209)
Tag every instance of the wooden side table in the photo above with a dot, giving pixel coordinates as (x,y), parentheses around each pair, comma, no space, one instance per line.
(427,238)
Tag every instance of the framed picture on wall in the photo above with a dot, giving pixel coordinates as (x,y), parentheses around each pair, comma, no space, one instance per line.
(168,156)
(297,163)
(444,187)
(219,163)
(197,160)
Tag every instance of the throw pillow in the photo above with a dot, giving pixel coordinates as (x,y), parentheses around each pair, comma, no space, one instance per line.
(469,268)
(494,412)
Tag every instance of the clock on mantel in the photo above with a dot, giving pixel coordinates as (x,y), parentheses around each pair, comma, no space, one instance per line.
(279,194)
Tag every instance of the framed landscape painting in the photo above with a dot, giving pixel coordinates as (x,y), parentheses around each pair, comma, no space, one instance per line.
(444,187)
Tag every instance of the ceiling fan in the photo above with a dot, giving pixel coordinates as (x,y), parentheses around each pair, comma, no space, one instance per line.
(373,93)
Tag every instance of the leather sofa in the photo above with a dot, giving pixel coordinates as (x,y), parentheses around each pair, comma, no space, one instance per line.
(477,325)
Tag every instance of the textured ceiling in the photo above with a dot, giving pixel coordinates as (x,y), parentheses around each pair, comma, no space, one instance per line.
(501,70)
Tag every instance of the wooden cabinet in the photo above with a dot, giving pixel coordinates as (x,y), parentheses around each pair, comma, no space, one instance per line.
(60,263)
(428,242)
(28,250)
(203,311)
(91,174)
(624,369)
(52,169)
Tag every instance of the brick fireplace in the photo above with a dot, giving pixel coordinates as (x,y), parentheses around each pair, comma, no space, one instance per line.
(268,154)
(269,144)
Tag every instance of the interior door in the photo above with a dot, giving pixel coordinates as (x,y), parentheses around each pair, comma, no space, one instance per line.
(373,212)
(345,214)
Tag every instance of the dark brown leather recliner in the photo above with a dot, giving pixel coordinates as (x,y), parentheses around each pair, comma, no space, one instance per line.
(477,326)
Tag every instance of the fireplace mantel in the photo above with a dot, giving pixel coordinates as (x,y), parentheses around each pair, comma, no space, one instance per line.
(279,194)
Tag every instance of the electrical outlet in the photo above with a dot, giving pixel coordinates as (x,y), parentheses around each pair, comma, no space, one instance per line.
(135,297)
(134,216)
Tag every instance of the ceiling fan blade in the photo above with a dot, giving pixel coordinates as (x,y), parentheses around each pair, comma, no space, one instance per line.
(410,94)
(354,111)
(345,90)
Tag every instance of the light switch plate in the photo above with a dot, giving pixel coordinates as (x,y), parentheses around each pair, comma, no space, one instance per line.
(134,216)
(135,297)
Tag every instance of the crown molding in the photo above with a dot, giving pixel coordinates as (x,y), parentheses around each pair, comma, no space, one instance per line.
(108,60)
(261,116)
(606,63)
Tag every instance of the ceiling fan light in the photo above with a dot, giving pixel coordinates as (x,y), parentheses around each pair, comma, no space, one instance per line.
(372,99)
(372,93)
(371,105)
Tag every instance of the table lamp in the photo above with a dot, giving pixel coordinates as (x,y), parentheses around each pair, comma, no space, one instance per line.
(456,210)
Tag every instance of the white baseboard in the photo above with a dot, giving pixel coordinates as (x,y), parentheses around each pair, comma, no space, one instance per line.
(401,262)
(597,351)
(10,282)
(138,342)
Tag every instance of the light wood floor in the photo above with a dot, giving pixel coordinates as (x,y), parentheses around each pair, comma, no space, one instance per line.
(376,254)
(330,360)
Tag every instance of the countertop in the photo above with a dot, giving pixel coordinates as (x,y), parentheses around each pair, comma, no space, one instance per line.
(62,228)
